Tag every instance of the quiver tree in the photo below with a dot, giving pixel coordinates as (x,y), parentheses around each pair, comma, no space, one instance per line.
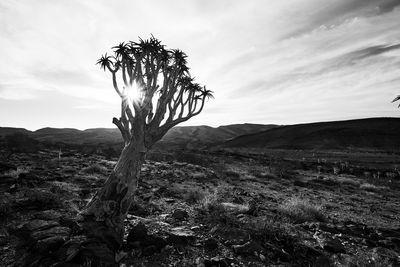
(157,93)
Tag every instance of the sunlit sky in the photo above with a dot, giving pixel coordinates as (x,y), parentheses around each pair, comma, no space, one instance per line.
(272,61)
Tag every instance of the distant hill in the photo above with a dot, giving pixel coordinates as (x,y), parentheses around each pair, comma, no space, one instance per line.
(9,130)
(202,136)
(373,133)
(177,137)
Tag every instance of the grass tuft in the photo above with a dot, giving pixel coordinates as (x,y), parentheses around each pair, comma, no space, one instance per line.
(96,169)
(301,210)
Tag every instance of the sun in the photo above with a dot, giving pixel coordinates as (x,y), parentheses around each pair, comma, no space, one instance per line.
(133,93)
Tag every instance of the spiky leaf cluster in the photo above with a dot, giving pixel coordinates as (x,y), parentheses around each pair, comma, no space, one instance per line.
(167,95)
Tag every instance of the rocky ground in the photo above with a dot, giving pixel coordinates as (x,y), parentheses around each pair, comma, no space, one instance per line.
(209,209)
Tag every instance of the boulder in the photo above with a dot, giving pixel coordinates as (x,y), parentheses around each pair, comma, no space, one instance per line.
(180,236)
(38,224)
(4,166)
(49,244)
(180,214)
(330,244)
(51,232)
(52,215)
(138,233)
(218,262)
(211,243)
(248,248)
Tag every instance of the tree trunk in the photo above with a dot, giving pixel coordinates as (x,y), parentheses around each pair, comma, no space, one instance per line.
(103,217)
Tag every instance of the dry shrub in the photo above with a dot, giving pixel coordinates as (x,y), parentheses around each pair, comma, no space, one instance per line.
(18,171)
(96,169)
(193,196)
(43,199)
(348,181)
(301,210)
(369,187)
(5,208)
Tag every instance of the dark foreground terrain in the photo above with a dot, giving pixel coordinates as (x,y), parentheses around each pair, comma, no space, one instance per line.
(265,208)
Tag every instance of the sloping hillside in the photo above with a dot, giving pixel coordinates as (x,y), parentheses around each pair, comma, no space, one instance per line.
(373,133)
(10,130)
(200,136)
(178,137)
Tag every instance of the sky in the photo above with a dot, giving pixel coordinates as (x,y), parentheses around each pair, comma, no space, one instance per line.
(281,62)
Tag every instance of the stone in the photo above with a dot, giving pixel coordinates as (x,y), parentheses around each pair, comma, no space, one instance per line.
(138,233)
(180,236)
(199,175)
(38,224)
(51,232)
(48,215)
(211,243)
(248,248)
(156,241)
(180,214)
(7,179)
(50,244)
(329,244)
(218,262)
(4,166)
(149,250)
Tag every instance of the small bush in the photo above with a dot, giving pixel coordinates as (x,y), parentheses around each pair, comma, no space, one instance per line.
(5,208)
(15,173)
(193,196)
(210,200)
(232,174)
(191,157)
(95,169)
(369,187)
(43,199)
(348,181)
(300,210)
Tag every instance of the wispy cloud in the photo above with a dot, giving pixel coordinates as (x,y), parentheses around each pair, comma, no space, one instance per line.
(267,61)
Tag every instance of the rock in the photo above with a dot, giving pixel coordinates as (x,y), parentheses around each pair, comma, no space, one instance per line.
(4,166)
(383,253)
(218,262)
(13,188)
(138,210)
(138,233)
(70,223)
(169,200)
(50,244)
(149,250)
(211,243)
(329,244)
(3,237)
(199,175)
(156,241)
(37,225)
(180,214)
(48,215)
(54,231)
(253,208)
(180,236)
(248,248)
(7,179)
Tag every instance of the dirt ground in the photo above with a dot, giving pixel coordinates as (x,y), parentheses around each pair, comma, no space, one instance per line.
(220,208)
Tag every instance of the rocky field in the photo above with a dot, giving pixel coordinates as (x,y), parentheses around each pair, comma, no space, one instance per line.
(209,209)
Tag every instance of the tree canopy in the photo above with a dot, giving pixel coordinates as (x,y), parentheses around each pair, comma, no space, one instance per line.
(156,89)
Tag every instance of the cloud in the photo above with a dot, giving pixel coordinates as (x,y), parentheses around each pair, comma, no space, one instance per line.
(275,61)
(388,6)
(372,51)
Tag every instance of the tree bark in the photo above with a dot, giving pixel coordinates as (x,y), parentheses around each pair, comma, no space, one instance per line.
(103,217)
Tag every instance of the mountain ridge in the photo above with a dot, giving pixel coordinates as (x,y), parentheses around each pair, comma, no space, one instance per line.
(368,133)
